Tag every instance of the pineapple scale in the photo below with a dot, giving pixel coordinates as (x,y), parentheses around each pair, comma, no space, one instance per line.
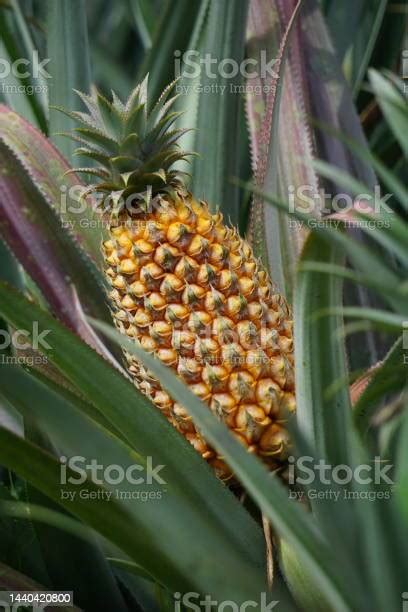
(189,289)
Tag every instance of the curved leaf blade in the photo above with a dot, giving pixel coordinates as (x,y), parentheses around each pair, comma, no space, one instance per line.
(287,517)
(221,527)
(46,169)
(67,46)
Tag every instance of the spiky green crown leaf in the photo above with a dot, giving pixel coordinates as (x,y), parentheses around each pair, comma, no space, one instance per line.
(132,144)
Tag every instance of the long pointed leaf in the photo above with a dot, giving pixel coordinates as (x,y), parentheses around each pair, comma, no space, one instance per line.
(289,520)
(190,483)
(67,46)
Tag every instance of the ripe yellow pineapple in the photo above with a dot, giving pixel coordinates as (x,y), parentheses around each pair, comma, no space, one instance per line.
(185,285)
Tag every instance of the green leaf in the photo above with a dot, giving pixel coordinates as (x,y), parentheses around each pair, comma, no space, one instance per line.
(219,110)
(344,21)
(382,318)
(322,398)
(340,177)
(67,46)
(19,545)
(29,51)
(26,94)
(109,73)
(49,255)
(84,563)
(389,178)
(43,471)
(390,377)
(128,566)
(393,106)
(364,44)
(46,170)
(402,471)
(363,258)
(287,517)
(298,579)
(140,23)
(346,273)
(168,39)
(19,102)
(385,225)
(42,514)
(273,241)
(328,98)
(322,418)
(196,503)
(72,557)
(266,28)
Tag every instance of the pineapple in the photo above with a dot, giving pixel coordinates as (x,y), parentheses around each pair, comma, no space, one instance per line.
(183,284)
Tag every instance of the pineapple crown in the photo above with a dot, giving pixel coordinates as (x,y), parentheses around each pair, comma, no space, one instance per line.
(131,143)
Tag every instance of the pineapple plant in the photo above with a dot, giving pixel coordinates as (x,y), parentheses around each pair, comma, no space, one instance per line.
(183,284)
